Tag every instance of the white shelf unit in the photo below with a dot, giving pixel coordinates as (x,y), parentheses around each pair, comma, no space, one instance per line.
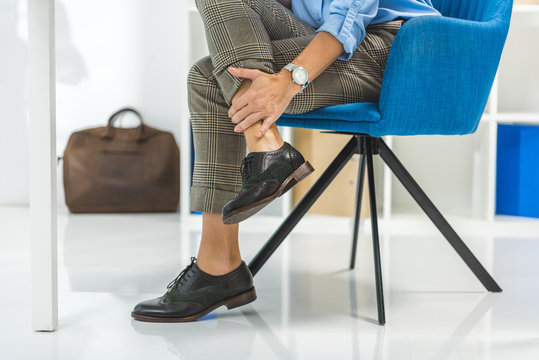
(457,172)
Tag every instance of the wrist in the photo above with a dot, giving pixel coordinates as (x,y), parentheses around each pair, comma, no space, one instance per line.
(299,74)
(292,87)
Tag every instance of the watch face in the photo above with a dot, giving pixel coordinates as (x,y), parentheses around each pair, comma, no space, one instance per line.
(300,76)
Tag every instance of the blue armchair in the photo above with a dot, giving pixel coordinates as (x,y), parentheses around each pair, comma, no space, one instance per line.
(437,80)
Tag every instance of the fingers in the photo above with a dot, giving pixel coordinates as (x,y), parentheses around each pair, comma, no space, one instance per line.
(240,115)
(263,101)
(266,124)
(249,121)
(237,105)
(253,119)
(250,74)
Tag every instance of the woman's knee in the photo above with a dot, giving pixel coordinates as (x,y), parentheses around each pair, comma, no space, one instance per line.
(203,88)
(200,72)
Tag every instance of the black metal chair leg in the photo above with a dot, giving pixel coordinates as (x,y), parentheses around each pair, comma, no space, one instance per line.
(357,216)
(437,218)
(375,239)
(303,206)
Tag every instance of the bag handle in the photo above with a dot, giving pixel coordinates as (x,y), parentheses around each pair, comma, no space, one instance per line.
(109,132)
(115,116)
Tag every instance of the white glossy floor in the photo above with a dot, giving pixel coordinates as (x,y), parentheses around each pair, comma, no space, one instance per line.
(309,305)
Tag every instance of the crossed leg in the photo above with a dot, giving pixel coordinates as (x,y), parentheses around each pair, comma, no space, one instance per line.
(259,34)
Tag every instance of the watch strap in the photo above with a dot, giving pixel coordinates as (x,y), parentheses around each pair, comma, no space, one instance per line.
(290,67)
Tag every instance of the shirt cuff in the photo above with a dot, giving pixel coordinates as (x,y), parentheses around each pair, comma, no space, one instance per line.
(344,29)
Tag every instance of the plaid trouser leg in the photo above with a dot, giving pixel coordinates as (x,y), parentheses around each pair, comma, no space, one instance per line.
(218,149)
(239,34)
(264,35)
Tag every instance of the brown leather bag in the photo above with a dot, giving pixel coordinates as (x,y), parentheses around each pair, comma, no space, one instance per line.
(110,169)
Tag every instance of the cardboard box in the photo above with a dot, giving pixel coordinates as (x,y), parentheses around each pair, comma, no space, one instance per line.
(340,197)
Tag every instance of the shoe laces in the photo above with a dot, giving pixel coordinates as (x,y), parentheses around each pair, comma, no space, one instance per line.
(180,277)
(246,167)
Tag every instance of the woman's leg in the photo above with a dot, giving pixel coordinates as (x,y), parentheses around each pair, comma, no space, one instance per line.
(216,180)
(218,149)
(219,251)
(271,140)
(239,33)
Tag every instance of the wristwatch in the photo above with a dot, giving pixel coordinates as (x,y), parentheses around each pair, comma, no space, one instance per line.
(299,75)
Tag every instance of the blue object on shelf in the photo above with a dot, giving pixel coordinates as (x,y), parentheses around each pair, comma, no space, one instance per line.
(517,175)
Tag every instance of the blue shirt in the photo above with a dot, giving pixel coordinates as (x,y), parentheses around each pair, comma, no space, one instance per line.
(347,19)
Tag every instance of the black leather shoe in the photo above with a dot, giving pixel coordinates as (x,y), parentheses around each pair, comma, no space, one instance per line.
(265,176)
(195,293)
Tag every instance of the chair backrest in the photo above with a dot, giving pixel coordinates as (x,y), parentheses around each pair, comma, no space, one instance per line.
(440,69)
(474,10)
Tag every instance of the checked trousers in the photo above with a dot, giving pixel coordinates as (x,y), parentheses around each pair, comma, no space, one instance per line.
(264,35)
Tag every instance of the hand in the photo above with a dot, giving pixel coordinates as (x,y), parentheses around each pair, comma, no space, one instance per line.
(265,100)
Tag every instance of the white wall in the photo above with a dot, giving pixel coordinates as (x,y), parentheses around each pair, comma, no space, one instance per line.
(109,54)
(448,170)
(13,123)
(519,88)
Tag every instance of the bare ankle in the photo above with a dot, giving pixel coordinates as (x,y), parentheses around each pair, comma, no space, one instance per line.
(267,145)
(271,140)
(218,267)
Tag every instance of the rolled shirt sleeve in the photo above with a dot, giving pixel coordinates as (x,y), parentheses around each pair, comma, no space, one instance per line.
(347,21)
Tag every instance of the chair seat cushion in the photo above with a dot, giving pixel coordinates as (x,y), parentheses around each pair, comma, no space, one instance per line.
(356,117)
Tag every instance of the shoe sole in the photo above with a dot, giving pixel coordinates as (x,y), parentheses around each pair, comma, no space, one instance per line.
(234,302)
(247,211)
